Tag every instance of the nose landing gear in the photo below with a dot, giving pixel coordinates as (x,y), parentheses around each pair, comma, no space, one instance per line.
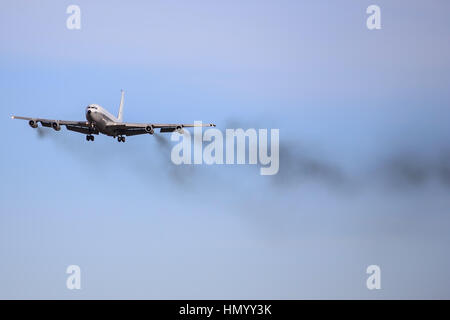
(90,137)
(120,139)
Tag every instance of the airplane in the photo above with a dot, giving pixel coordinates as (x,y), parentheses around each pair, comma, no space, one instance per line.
(99,120)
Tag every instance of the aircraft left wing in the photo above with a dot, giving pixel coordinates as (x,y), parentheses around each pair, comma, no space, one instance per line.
(78,126)
(131,129)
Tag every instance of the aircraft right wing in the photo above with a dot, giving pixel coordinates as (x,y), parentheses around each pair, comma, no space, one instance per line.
(78,126)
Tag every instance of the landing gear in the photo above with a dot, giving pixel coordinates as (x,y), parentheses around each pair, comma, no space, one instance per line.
(90,137)
(121,139)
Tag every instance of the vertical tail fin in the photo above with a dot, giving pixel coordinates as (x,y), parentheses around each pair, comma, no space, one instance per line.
(120,115)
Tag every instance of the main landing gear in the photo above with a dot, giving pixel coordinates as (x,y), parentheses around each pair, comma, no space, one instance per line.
(90,137)
(121,139)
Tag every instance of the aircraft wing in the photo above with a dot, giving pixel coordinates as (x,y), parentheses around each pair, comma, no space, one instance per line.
(130,129)
(78,126)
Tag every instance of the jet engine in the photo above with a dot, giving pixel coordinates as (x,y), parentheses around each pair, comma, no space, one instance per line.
(56,126)
(150,129)
(33,123)
(180,130)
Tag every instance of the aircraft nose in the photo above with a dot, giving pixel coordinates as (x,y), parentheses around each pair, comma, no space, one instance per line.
(89,112)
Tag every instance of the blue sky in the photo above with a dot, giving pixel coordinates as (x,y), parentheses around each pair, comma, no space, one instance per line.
(346,100)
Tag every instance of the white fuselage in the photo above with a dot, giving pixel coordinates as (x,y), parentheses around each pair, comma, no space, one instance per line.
(99,117)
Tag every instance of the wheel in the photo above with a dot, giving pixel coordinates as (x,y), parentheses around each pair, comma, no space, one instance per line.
(92,138)
(119,139)
(87,138)
(123,139)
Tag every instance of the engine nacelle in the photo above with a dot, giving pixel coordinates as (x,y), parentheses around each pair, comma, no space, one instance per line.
(33,123)
(149,129)
(56,126)
(180,129)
